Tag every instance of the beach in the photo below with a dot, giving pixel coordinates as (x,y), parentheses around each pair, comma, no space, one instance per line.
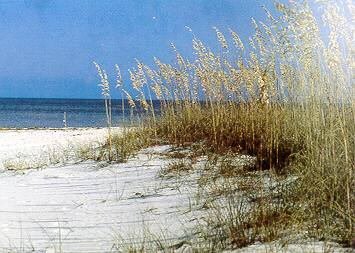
(33,142)
(83,207)
(88,206)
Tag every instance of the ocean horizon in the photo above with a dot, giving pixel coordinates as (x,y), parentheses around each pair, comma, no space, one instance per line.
(49,112)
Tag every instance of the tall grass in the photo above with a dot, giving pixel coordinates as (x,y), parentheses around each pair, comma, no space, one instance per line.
(105,86)
(288,100)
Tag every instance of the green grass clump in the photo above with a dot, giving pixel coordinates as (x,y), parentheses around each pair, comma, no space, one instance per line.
(288,101)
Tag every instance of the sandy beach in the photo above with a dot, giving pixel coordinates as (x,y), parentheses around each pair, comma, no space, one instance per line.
(86,207)
(82,207)
(34,143)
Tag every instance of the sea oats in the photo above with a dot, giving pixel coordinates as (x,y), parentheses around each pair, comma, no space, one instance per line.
(134,81)
(104,81)
(130,100)
(237,41)
(252,43)
(156,87)
(289,102)
(221,39)
(140,74)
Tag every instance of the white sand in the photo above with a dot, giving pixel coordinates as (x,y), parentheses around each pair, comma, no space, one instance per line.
(85,208)
(82,207)
(32,143)
(17,139)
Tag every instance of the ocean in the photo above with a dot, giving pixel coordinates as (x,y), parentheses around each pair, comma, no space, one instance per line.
(49,112)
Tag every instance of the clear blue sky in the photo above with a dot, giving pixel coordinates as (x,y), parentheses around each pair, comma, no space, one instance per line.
(47,47)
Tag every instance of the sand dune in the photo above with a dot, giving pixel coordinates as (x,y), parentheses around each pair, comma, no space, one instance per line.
(85,207)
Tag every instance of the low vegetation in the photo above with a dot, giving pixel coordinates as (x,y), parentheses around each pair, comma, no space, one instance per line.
(288,100)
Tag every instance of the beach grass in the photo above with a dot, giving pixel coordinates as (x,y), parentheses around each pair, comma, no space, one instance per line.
(288,101)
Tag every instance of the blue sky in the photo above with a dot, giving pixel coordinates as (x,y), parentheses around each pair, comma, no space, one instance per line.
(47,47)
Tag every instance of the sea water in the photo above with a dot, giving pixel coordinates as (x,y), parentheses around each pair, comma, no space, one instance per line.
(51,112)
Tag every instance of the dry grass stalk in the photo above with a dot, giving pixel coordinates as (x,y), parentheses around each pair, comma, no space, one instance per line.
(289,101)
(105,86)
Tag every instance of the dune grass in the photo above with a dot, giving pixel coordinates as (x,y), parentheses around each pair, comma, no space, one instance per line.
(288,101)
